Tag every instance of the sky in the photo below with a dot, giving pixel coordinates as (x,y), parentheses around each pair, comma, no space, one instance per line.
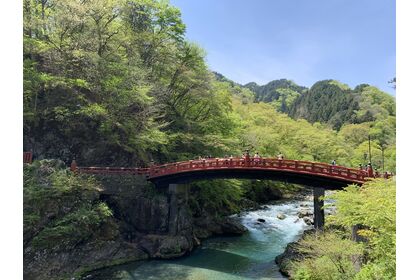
(352,41)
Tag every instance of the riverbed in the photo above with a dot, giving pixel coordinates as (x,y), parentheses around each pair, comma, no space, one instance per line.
(250,256)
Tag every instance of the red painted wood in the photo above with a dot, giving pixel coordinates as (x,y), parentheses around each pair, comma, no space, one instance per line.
(303,167)
(352,175)
(27,157)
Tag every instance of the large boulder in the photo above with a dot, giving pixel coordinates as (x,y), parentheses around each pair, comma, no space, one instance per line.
(207,226)
(232,226)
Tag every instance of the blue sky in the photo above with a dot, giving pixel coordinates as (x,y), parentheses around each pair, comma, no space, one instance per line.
(352,41)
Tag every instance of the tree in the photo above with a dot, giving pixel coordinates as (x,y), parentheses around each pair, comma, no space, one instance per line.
(373,206)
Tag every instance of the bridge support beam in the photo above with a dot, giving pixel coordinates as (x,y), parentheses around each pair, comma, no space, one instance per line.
(319,216)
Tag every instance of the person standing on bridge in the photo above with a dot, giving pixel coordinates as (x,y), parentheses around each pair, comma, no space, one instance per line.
(257,157)
(333,163)
(280,156)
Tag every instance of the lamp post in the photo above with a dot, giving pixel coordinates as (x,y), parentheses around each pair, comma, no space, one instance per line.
(383,159)
(370,155)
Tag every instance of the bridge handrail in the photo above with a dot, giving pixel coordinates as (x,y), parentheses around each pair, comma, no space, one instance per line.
(310,167)
(111,170)
(341,171)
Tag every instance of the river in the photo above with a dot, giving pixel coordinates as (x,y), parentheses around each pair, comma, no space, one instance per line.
(250,256)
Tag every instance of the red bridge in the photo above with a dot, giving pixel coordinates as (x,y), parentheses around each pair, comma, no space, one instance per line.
(308,173)
(319,176)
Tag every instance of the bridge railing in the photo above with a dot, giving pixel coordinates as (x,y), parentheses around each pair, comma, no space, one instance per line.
(112,170)
(305,167)
(264,163)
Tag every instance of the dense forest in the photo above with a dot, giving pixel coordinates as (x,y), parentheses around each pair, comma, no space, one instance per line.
(116,83)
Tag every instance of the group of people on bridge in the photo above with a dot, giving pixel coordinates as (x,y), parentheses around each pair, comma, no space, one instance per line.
(246,156)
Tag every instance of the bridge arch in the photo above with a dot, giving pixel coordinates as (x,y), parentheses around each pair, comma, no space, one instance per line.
(319,176)
(305,173)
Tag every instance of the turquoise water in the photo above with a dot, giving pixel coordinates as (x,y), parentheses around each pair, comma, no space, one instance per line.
(250,256)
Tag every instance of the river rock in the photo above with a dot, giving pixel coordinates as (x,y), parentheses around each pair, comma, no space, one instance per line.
(208,225)
(232,226)
(281,216)
(304,213)
(261,220)
(309,221)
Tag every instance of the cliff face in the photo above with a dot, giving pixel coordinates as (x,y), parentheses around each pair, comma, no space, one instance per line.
(162,225)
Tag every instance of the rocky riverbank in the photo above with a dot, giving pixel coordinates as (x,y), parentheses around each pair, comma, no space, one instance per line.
(291,254)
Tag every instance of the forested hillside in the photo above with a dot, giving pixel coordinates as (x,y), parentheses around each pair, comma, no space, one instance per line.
(335,103)
(114,82)
(277,90)
(117,83)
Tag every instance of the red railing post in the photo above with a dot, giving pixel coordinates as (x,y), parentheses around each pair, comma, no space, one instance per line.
(73,166)
(370,170)
(27,157)
(247,158)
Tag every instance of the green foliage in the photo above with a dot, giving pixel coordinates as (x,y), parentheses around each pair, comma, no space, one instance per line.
(327,256)
(286,99)
(334,103)
(375,104)
(274,90)
(332,255)
(74,228)
(270,133)
(62,210)
(326,101)
(373,206)
(116,83)
(218,197)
